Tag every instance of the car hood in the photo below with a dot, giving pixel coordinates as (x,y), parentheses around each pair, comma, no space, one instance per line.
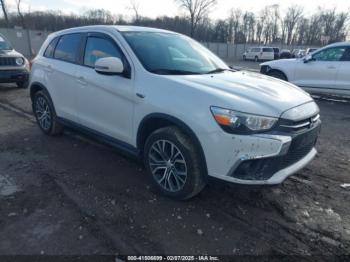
(10,53)
(282,61)
(253,92)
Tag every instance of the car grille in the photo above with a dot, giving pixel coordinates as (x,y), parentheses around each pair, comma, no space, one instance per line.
(300,147)
(8,61)
(297,126)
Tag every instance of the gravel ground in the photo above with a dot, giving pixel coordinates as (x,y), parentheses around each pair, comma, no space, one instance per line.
(68,195)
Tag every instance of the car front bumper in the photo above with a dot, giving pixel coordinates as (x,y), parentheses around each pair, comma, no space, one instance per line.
(14,76)
(262,159)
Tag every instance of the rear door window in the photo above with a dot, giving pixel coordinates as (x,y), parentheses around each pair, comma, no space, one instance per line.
(68,48)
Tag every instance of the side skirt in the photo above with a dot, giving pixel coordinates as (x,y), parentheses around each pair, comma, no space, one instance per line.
(120,146)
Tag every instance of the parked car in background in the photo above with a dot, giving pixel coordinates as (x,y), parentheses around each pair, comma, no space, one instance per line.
(294,53)
(276,52)
(311,50)
(259,54)
(298,53)
(323,71)
(285,54)
(14,67)
(301,53)
(163,97)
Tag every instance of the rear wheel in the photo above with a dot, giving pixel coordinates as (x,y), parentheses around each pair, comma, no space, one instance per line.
(173,162)
(278,74)
(45,114)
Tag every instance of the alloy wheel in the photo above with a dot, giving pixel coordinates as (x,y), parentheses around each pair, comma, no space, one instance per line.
(167,165)
(43,113)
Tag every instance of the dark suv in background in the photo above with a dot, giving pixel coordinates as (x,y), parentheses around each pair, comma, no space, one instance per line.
(276,53)
(14,67)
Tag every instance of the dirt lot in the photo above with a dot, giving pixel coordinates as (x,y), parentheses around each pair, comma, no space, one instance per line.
(68,195)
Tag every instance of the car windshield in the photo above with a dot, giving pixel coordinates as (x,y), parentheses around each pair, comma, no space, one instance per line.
(4,45)
(173,54)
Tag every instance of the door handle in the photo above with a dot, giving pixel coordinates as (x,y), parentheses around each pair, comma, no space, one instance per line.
(140,95)
(81,80)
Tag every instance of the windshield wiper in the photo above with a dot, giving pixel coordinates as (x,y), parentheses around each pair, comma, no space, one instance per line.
(219,70)
(163,71)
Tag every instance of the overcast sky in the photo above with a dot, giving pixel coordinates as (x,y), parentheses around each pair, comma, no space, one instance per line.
(153,8)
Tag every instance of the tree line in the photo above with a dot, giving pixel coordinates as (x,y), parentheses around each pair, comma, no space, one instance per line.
(269,25)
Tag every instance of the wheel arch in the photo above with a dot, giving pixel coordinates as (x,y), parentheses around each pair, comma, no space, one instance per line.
(154,121)
(35,87)
(278,70)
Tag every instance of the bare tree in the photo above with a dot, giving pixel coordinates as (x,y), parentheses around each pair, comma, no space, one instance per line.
(197,10)
(21,17)
(275,18)
(234,23)
(294,13)
(4,10)
(135,7)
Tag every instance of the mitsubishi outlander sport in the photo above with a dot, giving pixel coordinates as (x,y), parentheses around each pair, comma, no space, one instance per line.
(164,98)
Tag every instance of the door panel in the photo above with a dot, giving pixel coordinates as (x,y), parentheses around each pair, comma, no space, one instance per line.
(105,102)
(61,75)
(316,74)
(322,70)
(343,76)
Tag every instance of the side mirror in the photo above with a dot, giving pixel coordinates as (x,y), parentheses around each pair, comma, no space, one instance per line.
(109,66)
(308,58)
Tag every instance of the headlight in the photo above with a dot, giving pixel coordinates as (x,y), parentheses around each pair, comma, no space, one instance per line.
(242,123)
(19,61)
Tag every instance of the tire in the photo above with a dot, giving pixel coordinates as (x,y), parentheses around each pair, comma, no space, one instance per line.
(42,104)
(22,84)
(256,59)
(180,178)
(278,74)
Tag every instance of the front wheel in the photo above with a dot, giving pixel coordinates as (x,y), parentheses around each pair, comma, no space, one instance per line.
(173,162)
(278,74)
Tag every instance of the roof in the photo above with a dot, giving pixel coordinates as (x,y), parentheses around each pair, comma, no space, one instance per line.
(124,28)
(340,44)
(120,28)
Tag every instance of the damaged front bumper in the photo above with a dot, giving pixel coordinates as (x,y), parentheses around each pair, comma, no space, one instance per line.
(269,159)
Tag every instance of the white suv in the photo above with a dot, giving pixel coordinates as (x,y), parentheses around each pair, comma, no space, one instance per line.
(163,97)
(325,70)
(259,54)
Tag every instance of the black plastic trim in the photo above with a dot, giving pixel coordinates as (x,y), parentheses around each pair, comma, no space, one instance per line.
(115,143)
